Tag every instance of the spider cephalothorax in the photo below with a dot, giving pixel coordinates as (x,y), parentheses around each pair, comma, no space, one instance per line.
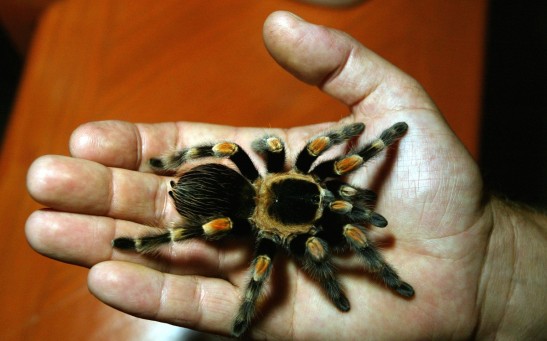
(307,210)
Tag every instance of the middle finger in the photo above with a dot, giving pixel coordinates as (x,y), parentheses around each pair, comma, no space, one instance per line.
(82,186)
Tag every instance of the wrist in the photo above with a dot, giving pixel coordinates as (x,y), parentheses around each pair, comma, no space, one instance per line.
(511,294)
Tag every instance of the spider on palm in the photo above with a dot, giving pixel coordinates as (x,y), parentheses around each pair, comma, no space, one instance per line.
(307,211)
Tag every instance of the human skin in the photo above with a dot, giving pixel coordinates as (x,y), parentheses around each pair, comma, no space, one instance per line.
(475,261)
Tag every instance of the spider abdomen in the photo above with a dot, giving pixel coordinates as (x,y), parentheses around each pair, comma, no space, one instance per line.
(212,191)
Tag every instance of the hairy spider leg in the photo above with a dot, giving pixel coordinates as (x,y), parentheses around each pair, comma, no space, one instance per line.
(272,149)
(171,162)
(321,143)
(260,270)
(348,192)
(145,244)
(354,203)
(342,166)
(356,237)
(314,254)
(357,213)
(213,229)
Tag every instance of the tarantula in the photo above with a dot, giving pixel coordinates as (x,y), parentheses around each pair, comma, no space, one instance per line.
(307,211)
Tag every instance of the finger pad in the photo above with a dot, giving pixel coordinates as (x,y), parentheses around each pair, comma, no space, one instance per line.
(112,143)
(310,52)
(69,184)
(129,287)
(67,237)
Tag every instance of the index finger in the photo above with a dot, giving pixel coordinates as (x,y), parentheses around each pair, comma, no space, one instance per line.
(128,145)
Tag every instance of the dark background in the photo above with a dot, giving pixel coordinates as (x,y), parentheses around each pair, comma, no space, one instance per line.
(513,150)
(513,147)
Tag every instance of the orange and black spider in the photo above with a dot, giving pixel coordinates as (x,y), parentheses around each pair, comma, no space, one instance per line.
(308,211)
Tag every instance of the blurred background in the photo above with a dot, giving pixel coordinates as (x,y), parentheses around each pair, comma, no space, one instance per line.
(64,63)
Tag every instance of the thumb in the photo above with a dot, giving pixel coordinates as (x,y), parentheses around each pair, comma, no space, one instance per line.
(340,66)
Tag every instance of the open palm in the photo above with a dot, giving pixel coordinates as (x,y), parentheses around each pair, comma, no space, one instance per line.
(429,189)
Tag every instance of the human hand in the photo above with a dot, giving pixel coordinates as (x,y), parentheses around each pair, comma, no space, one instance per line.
(429,190)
